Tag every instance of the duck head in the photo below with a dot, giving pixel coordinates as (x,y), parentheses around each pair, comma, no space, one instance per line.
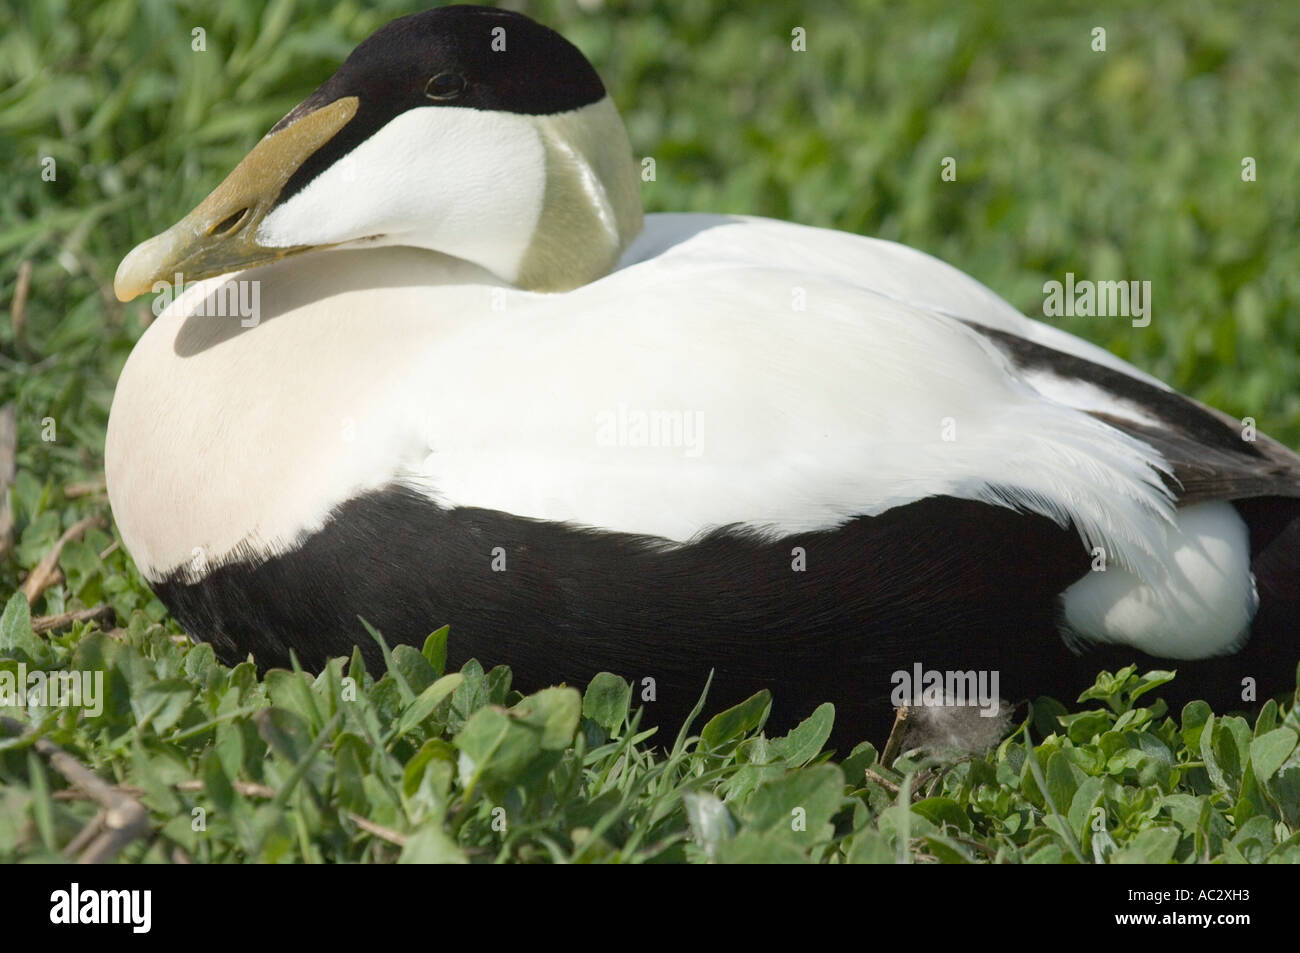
(470,131)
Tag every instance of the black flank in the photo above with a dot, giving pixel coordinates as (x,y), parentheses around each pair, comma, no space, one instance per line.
(951,584)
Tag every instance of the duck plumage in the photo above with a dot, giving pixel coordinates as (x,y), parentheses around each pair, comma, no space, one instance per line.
(796,457)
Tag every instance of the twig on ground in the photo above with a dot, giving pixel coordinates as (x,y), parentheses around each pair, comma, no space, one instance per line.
(85,835)
(383,833)
(246,788)
(895,743)
(49,623)
(47,572)
(85,488)
(124,818)
(988,851)
(883,781)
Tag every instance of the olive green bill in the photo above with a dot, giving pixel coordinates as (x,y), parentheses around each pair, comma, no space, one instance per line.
(220,234)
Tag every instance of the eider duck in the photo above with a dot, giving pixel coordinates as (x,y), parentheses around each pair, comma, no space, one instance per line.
(426,363)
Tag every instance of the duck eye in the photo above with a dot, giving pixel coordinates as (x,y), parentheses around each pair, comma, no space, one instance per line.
(445,86)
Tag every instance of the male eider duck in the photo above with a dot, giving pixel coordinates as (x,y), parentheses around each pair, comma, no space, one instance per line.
(431,366)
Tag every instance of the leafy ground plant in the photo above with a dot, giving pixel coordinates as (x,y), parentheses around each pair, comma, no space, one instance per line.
(210,763)
(1122,164)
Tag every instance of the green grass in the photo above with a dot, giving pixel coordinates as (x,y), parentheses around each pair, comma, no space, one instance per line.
(425,766)
(1123,164)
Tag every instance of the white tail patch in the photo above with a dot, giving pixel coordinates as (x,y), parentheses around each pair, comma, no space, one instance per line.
(1200,607)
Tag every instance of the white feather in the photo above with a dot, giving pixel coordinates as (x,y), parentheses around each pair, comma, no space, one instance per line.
(1202,608)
